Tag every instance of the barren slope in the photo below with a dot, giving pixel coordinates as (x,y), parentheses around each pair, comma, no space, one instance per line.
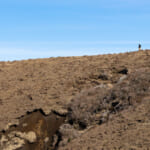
(50,85)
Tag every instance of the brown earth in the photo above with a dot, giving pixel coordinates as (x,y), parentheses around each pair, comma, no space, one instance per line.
(105,98)
(127,130)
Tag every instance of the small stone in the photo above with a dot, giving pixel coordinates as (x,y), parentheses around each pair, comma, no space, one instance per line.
(30,137)
(110,86)
(60,111)
(46,110)
(7,126)
(122,78)
(17,143)
(46,139)
(3,139)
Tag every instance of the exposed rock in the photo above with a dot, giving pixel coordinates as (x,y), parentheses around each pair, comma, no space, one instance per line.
(3,139)
(16,139)
(14,123)
(29,136)
(11,144)
(34,132)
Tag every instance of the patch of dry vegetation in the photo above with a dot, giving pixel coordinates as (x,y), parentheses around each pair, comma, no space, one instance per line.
(93,105)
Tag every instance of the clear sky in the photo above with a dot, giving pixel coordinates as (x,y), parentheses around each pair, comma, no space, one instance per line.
(46,28)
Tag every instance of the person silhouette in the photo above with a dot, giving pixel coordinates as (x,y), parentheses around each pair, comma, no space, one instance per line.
(139,47)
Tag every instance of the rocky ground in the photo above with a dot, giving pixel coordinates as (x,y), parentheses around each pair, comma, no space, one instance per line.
(89,102)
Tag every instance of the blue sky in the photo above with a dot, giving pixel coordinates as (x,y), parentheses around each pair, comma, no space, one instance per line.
(38,29)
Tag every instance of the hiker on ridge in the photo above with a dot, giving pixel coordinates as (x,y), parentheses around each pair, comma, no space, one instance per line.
(139,47)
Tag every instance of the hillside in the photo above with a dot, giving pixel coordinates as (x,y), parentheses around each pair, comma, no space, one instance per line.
(88,102)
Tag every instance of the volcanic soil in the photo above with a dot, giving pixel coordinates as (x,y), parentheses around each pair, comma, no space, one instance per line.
(99,102)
